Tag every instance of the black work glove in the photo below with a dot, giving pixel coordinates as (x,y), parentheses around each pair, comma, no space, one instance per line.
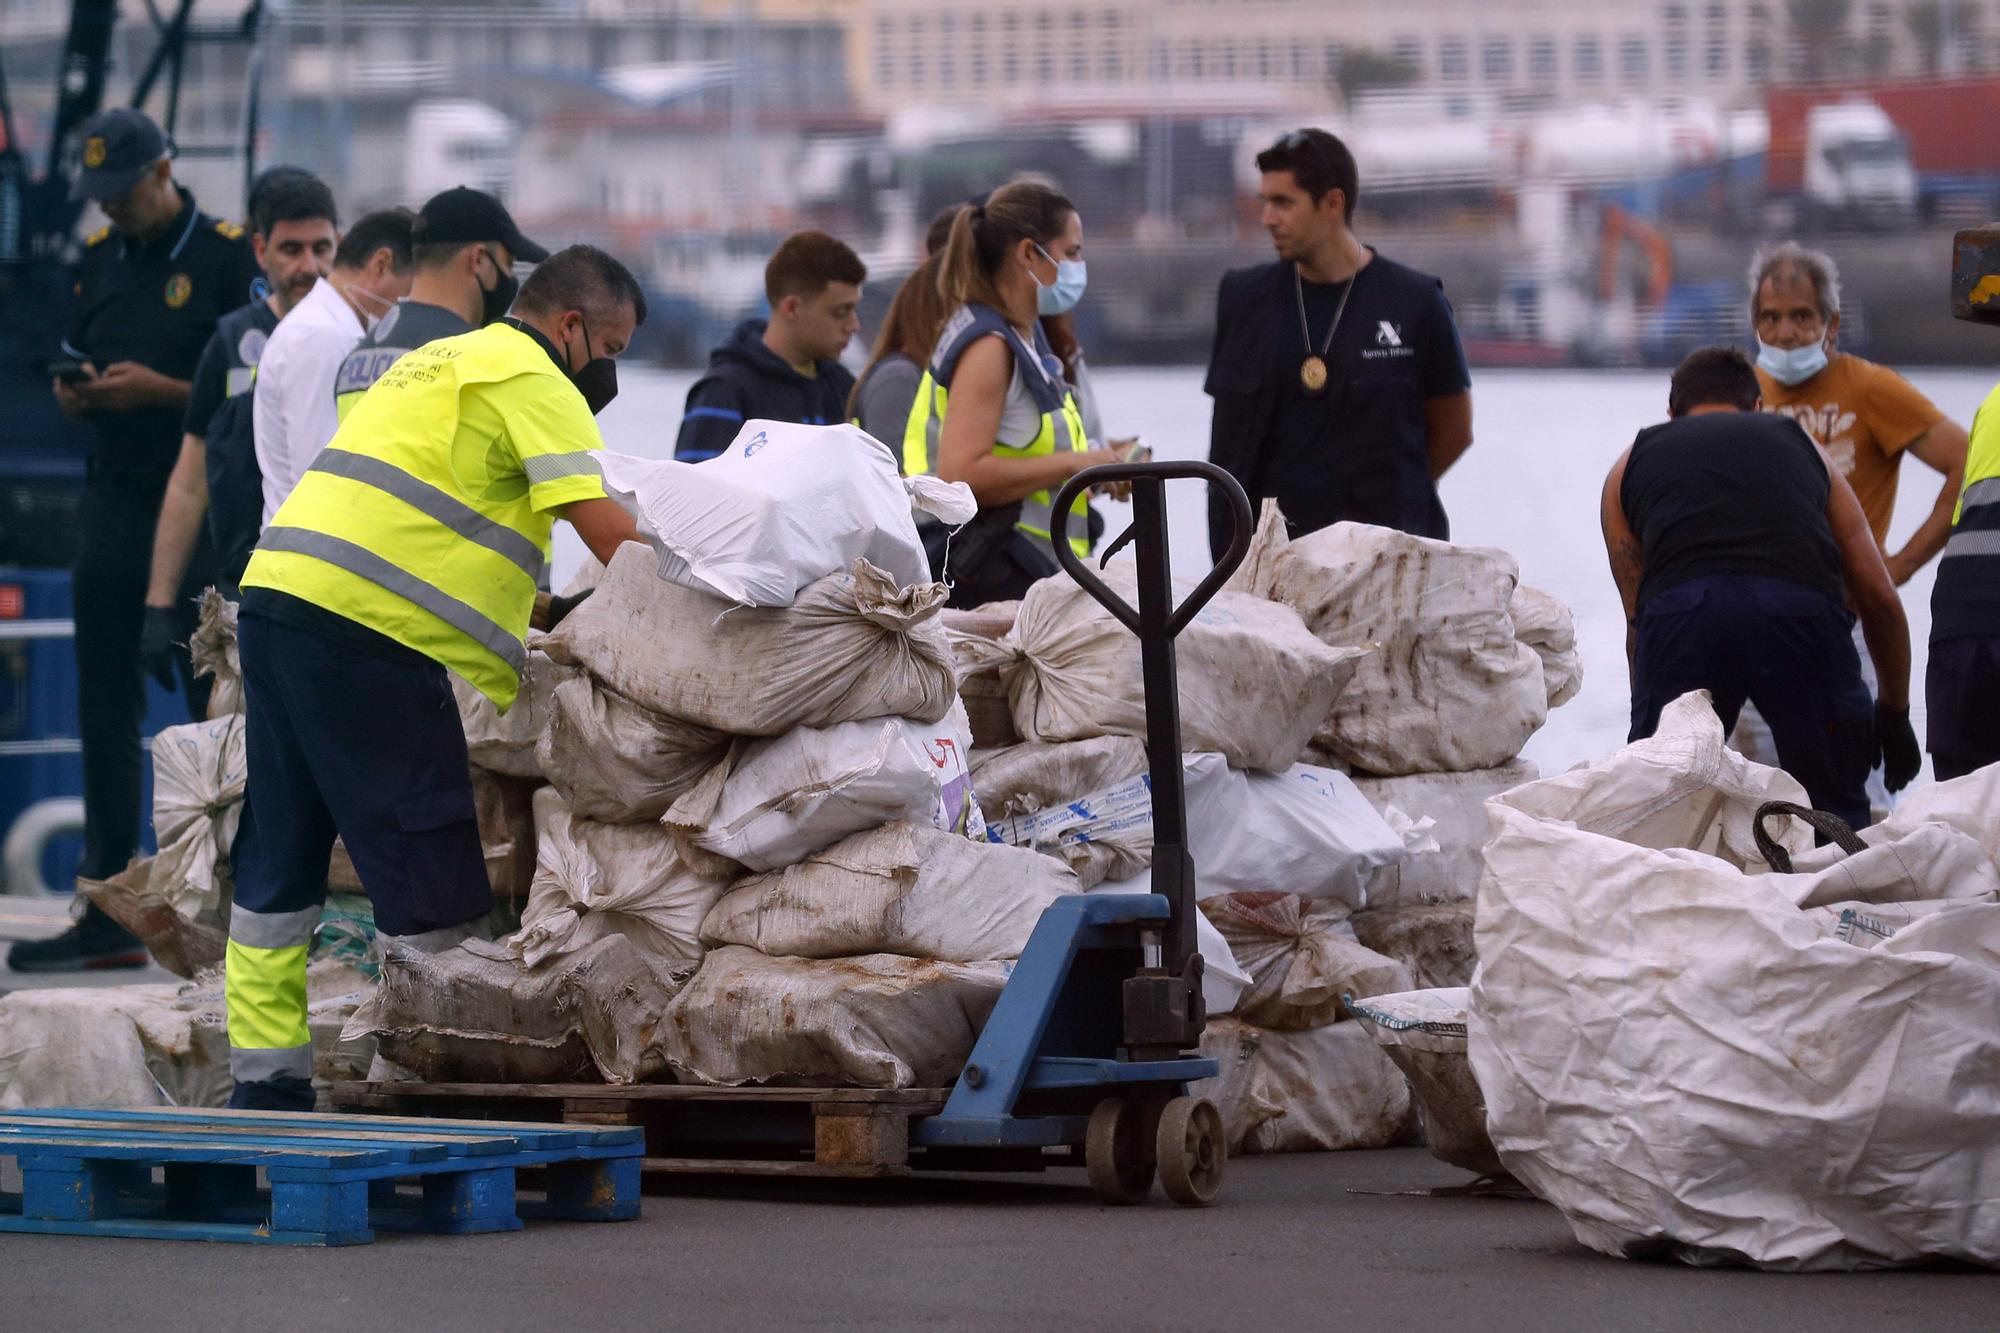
(560,607)
(1897,740)
(156,644)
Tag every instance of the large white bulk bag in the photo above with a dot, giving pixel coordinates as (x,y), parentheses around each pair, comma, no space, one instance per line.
(1692,1058)
(852,646)
(878,1021)
(904,888)
(783,506)
(777,800)
(1254,683)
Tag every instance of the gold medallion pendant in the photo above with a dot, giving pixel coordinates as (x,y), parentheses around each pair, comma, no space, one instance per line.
(1312,374)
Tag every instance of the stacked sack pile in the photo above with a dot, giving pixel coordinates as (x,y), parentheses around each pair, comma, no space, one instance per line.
(759,856)
(1419,667)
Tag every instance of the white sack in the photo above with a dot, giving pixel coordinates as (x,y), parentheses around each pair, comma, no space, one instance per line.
(783,506)
(213,652)
(776,801)
(199,771)
(615,761)
(904,888)
(1328,1089)
(505,742)
(1037,775)
(1680,787)
(1424,1033)
(1254,684)
(1305,831)
(153,1045)
(852,647)
(1449,687)
(1687,1062)
(594,880)
(1301,956)
(1545,624)
(1455,805)
(878,1021)
(980,649)
(474,1013)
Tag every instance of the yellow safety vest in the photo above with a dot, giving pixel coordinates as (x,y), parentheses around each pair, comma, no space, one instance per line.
(427,517)
(1062,420)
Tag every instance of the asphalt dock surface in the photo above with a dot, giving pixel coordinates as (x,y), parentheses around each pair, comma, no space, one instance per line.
(1290,1244)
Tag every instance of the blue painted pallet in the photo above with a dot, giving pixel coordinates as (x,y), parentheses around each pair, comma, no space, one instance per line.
(331,1179)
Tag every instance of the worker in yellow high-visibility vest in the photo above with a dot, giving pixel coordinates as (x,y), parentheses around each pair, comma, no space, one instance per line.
(410,548)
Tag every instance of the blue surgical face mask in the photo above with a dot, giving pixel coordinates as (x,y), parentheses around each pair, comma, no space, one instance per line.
(1791,365)
(1060,297)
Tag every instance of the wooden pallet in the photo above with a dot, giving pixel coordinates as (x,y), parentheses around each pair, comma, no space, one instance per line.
(326,1179)
(830,1132)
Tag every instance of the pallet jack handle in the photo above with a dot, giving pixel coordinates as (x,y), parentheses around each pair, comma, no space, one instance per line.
(1156,621)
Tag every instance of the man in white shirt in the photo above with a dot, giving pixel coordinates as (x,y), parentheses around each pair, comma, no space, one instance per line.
(293,408)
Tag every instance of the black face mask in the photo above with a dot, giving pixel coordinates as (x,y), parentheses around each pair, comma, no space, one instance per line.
(598,380)
(497,300)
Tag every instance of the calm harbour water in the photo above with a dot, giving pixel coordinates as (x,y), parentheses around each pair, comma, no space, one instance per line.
(1530,486)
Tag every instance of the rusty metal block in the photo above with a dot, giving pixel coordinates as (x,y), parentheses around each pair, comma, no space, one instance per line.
(1975,274)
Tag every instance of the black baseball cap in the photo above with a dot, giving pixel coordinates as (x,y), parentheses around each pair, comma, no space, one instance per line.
(119,146)
(465,214)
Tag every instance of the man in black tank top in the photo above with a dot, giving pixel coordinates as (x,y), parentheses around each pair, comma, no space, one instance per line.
(1738,551)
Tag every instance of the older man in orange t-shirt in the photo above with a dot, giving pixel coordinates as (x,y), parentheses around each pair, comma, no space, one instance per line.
(1866,416)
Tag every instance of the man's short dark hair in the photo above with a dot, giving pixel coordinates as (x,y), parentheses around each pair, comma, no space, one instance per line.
(1713,375)
(1318,162)
(807,263)
(583,278)
(434,255)
(288,194)
(384,229)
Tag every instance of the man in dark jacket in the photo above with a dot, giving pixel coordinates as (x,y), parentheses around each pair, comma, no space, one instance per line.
(1340,387)
(787,369)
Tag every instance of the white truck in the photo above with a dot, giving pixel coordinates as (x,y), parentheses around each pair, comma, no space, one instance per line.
(1857,167)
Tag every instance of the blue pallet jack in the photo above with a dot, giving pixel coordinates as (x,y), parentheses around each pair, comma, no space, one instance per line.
(1091,1043)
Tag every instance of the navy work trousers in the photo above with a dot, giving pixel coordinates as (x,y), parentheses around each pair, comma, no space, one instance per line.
(370,746)
(1782,646)
(1962,696)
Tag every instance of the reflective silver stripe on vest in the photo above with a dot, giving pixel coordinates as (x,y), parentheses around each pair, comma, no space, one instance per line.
(273,930)
(1036,510)
(1983,492)
(428,500)
(1985,541)
(364,563)
(253,1064)
(238,379)
(554,467)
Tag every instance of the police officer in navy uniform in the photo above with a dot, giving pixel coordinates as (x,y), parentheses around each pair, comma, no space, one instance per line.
(1340,387)
(150,289)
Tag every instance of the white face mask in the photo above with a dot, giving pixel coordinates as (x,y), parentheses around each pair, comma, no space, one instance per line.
(1791,365)
(381,305)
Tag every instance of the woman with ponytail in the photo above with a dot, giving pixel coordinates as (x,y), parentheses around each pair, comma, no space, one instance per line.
(993,409)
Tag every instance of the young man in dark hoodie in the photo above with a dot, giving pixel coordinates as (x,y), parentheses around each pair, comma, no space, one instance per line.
(786,369)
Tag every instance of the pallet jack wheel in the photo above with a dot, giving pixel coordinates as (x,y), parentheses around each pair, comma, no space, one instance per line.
(1116,1152)
(1192,1149)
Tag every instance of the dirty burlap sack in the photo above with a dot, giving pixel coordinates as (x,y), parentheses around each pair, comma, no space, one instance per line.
(212,648)
(199,772)
(616,762)
(1301,956)
(181,945)
(1254,682)
(594,880)
(878,1021)
(979,648)
(1451,687)
(1036,776)
(853,646)
(904,888)
(1324,1090)
(475,1013)
(1424,1033)
(505,742)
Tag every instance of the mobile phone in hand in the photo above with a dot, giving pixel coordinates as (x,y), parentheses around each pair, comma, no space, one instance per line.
(70,371)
